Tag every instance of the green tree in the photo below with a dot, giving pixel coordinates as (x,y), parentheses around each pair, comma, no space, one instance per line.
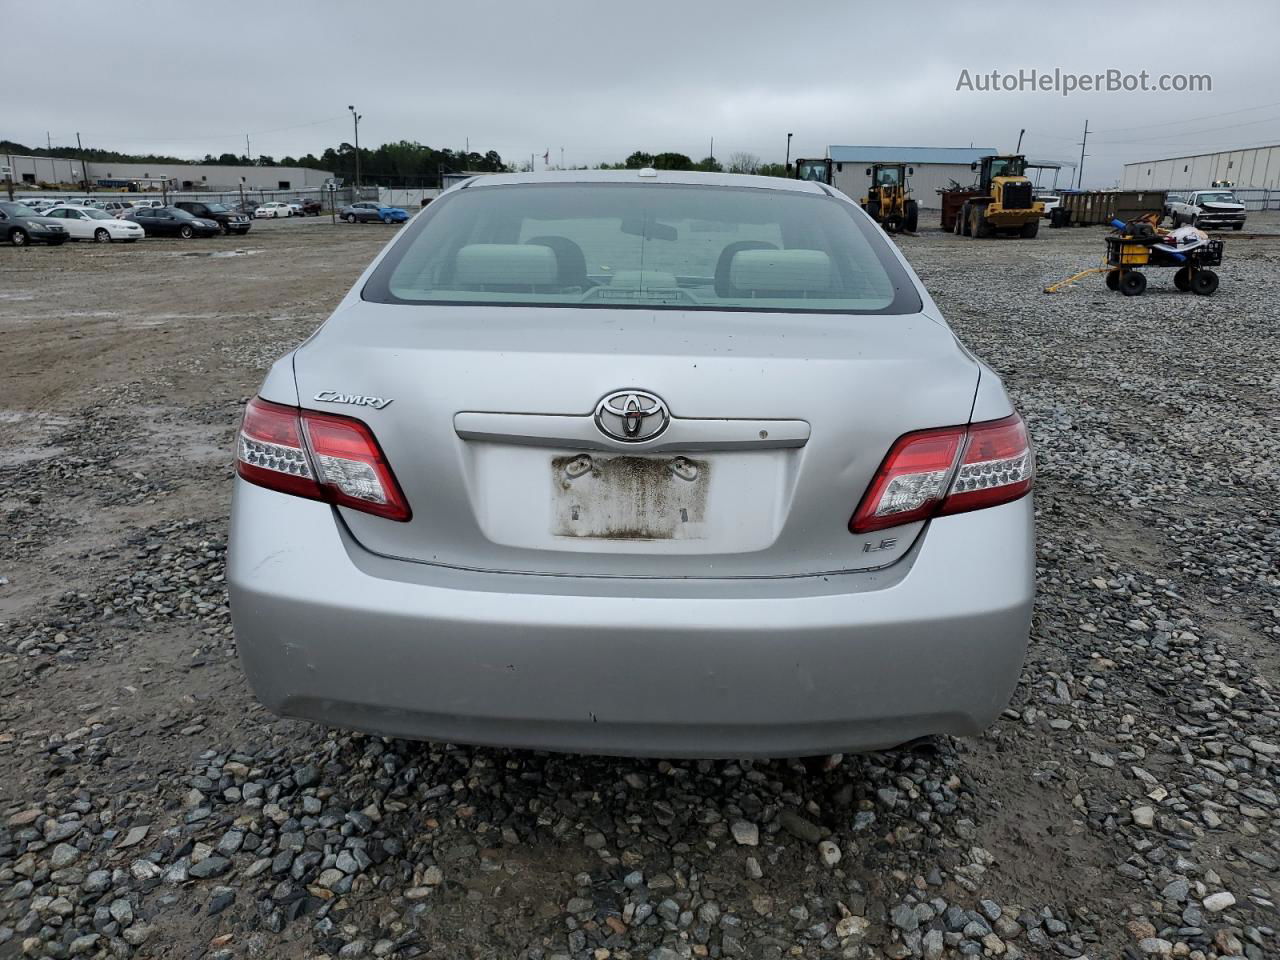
(709,165)
(638,160)
(774,170)
(672,161)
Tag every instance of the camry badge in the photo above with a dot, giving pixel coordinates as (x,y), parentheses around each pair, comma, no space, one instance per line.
(355,399)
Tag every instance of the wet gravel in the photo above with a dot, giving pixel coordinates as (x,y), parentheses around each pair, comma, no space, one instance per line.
(1126,804)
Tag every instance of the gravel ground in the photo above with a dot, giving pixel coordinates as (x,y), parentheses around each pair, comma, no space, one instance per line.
(1125,805)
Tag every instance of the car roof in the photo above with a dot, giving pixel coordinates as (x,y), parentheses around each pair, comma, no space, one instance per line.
(657,176)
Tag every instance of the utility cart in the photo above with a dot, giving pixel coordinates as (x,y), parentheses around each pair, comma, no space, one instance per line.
(1192,262)
(1140,244)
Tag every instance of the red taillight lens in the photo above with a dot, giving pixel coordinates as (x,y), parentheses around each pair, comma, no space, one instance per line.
(911,481)
(919,477)
(319,456)
(351,466)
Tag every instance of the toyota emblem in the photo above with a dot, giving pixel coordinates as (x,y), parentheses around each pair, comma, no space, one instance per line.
(632,416)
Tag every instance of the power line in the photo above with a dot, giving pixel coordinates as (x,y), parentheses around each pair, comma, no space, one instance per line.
(1188,133)
(1207,116)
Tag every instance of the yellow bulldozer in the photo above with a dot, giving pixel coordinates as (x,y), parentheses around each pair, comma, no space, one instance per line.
(1005,201)
(888,201)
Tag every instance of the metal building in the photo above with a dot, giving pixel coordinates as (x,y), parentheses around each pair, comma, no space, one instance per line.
(1256,167)
(30,171)
(935,168)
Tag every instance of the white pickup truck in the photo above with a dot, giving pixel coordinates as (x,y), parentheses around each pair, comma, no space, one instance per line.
(1206,209)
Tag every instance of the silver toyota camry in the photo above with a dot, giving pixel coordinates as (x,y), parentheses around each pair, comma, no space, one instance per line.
(635,462)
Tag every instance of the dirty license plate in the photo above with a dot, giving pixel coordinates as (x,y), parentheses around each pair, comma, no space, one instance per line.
(629,498)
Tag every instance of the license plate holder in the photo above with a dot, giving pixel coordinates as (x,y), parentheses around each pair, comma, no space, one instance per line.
(629,498)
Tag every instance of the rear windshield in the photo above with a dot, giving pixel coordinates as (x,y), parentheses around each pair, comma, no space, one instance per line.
(647,245)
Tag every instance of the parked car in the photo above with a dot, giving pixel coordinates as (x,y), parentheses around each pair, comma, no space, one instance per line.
(231,221)
(148,202)
(1051,202)
(1206,209)
(364,211)
(273,209)
(89,223)
(21,225)
(306,206)
(39,206)
(172,222)
(116,207)
(565,538)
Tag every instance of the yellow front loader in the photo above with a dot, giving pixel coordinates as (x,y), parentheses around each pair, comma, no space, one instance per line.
(888,201)
(1006,204)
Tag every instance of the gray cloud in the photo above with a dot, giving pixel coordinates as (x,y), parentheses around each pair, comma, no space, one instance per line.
(601,79)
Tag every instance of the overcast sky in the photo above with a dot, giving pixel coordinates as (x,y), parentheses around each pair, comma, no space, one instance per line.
(600,79)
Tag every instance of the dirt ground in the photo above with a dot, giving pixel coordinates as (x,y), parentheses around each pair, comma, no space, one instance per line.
(123,370)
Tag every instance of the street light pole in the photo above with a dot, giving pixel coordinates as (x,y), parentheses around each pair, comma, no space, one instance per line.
(355,117)
(788,163)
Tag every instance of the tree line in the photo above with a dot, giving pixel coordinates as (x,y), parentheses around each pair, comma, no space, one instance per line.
(406,162)
(738,163)
(401,162)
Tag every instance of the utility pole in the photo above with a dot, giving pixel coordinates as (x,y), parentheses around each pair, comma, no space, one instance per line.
(1080,172)
(562,158)
(84,170)
(355,118)
(712,154)
(247,154)
(48,141)
(788,163)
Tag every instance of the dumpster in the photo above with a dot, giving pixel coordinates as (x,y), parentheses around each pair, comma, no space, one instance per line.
(952,201)
(1091,208)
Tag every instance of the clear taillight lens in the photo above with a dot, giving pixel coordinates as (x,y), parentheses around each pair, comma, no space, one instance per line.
(998,466)
(945,471)
(319,456)
(270,452)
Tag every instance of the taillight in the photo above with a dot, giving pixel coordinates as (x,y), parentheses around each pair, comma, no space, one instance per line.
(948,470)
(269,450)
(998,466)
(317,455)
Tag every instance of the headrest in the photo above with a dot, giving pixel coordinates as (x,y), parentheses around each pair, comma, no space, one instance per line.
(508,264)
(776,271)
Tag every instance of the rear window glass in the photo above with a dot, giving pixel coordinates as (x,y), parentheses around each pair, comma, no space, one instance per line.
(647,245)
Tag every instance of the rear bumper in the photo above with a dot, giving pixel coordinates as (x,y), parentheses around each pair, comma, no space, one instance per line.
(786,667)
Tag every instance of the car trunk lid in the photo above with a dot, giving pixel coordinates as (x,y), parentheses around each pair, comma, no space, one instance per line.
(489,417)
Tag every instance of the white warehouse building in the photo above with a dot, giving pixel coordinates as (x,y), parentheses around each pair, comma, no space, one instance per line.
(1255,167)
(934,168)
(114,175)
